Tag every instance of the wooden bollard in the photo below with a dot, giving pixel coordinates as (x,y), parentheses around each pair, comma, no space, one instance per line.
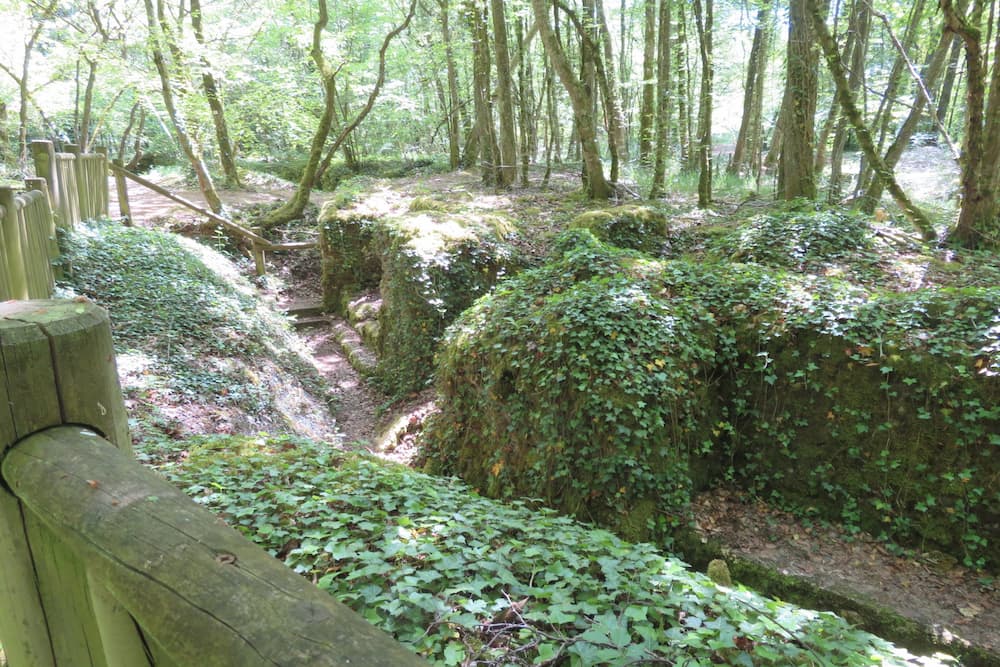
(122,189)
(57,366)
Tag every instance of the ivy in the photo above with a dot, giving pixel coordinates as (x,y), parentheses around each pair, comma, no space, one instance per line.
(466,580)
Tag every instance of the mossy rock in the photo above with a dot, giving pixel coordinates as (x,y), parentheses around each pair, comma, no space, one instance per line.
(610,385)
(351,263)
(429,266)
(637,227)
(581,384)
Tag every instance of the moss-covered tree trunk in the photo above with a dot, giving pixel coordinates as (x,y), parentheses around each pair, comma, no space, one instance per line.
(663,99)
(507,169)
(454,149)
(853,114)
(703,20)
(647,107)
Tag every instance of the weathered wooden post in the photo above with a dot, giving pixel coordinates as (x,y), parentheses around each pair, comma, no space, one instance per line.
(44,155)
(103,562)
(42,186)
(58,368)
(10,238)
(102,182)
(122,188)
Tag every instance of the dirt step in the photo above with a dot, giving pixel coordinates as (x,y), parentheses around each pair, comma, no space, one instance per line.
(311,321)
(304,308)
(360,357)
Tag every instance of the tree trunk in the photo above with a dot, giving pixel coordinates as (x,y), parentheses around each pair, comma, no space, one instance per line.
(647,114)
(852,112)
(947,86)
(797,175)
(507,171)
(611,92)
(703,22)
(187,143)
(663,99)
(979,219)
(685,103)
(227,154)
(526,99)
(488,150)
(454,155)
(874,187)
(859,25)
(748,137)
(597,186)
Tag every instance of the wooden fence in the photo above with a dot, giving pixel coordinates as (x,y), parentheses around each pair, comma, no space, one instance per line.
(78,182)
(102,562)
(27,243)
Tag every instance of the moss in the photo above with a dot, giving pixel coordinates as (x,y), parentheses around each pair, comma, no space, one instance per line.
(718,571)
(635,227)
(429,266)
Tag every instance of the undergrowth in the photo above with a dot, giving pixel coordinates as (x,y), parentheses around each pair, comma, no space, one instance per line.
(468,581)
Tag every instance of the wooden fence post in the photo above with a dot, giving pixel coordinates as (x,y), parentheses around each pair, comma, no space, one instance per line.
(44,155)
(57,366)
(42,186)
(13,252)
(122,188)
(102,182)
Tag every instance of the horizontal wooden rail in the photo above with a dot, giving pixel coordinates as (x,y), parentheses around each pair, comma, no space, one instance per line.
(199,592)
(234,227)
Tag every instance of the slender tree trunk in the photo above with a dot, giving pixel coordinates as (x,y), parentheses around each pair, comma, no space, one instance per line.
(703,22)
(454,155)
(859,25)
(685,103)
(227,154)
(797,176)
(647,113)
(489,152)
(187,143)
(597,186)
(507,172)
(663,100)
(874,186)
(612,93)
(852,112)
(948,85)
(753,93)
(525,99)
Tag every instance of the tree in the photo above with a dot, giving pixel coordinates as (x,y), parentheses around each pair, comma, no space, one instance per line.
(647,115)
(293,208)
(850,109)
(746,152)
(662,128)
(796,177)
(160,37)
(227,154)
(979,218)
(507,170)
(582,101)
(704,21)
(486,139)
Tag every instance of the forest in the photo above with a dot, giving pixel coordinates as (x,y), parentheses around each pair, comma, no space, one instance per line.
(555,332)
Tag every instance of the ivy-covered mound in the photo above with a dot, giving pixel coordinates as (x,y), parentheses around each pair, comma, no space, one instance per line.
(429,265)
(636,227)
(610,384)
(464,580)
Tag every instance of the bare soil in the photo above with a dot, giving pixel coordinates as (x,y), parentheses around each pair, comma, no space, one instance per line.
(958,603)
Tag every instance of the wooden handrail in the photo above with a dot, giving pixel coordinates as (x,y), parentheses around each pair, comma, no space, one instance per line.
(238,229)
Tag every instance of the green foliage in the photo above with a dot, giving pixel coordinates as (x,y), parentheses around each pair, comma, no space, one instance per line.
(464,580)
(873,408)
(578,384)
(186,327)
(802,235)
(636,227)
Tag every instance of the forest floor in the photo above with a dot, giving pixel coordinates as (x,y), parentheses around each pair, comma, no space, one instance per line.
(957,603)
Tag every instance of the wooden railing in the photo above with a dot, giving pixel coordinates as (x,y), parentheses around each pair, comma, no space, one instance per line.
(102,562)
(27,243)
(78,182)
